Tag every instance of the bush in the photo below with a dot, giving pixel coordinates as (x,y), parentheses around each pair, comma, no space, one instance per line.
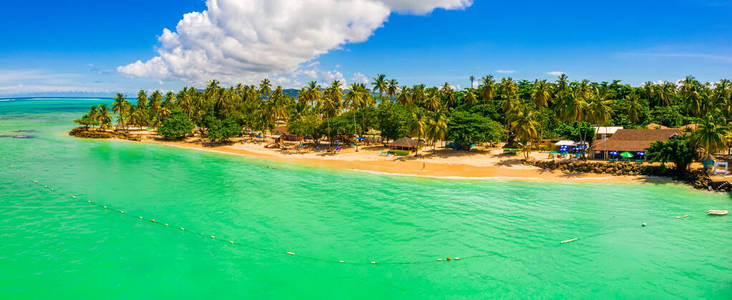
(401,152)
(176,125)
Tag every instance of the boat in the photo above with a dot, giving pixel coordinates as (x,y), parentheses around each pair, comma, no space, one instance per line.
(717,212)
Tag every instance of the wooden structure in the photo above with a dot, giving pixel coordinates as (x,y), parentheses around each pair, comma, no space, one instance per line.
(632,140)
(404,143)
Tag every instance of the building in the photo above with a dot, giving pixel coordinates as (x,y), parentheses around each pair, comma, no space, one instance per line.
(404,143)
(631,140)
(603,133)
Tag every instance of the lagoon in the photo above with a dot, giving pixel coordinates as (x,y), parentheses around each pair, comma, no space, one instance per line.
(506,232)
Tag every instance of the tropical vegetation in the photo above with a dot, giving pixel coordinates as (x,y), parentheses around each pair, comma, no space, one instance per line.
(520,111)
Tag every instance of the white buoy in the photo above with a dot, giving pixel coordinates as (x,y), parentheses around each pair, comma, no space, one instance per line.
(182,229)
(644,224)
(105,207)
(341,261)
(122,211)
(231,242)
(213,237)
(457,258)
(373,262)
(140,218)
(439,259)
(73,197)
(166,224)
(290,253)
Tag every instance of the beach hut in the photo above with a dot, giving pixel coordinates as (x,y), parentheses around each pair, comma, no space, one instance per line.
(632,141)
(404,143)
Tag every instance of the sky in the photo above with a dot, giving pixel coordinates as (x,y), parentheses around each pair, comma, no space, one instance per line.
(77,47)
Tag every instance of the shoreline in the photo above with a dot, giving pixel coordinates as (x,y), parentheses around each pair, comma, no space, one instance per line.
(409,166)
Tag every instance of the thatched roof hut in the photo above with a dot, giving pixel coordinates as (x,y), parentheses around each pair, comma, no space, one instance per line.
(634,139)
(404,143)
(656,126)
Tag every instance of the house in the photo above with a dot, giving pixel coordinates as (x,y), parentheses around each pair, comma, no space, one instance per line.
(634,141)
(404,143)
(283,133)
(603,133)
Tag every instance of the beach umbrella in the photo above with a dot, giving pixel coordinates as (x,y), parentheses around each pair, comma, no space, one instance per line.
(626,155)
(613,153)
(640,153)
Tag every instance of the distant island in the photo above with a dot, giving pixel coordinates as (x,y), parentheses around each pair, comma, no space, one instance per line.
(503,128)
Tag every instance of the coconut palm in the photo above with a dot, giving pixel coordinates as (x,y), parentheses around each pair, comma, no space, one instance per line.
(541,93)
(437,128)
(522,121)
(487,88)
(598,107)
(419,125)
(355,99)
(634,107)
(472,80)
(709,136)
(121,107)
(265,87)
(405,97)
(380,84)
(392,88)
(103,116)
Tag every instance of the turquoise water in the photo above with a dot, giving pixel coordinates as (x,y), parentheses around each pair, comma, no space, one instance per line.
(506,232)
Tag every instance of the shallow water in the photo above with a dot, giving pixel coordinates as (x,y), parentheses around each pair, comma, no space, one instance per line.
(506,232)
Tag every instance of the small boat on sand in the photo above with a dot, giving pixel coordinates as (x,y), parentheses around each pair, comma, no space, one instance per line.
(717,212)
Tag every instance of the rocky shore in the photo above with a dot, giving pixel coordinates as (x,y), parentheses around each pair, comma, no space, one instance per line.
(83,132)
(699,179)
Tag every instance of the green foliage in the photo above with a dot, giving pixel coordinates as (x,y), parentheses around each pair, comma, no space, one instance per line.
(576,131)
(307,125)
(667,116)
(465,128)
(176,125)
(86,121)
(218,130)
(394,120)
(679,149)
(401,152)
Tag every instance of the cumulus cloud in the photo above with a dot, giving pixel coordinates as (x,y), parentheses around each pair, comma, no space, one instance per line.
(506,71)
(555,73)
(359,77)
(246,40)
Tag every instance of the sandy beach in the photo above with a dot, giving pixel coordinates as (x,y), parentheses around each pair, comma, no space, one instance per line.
(441,163)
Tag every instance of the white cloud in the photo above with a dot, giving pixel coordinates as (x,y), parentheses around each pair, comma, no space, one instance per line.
(358,77)
(506,71)
(329,76)
(555,73)
(246,40)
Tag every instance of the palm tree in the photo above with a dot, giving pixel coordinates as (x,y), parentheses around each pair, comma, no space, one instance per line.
(103,116)
(121,107)
(355,99)
(419,123)
(472,80)
(598,107)
(634,107)
(405,97)
(393,88)
(541,93)
(265,87)
(487,88)
(449,94)
(331,105)
(709,136)
(437,128)
(380,84)
(522,122)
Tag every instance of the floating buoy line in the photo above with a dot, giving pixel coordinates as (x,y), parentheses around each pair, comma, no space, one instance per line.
(232,243)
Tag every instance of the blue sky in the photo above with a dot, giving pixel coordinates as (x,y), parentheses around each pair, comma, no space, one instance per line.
(79,46)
